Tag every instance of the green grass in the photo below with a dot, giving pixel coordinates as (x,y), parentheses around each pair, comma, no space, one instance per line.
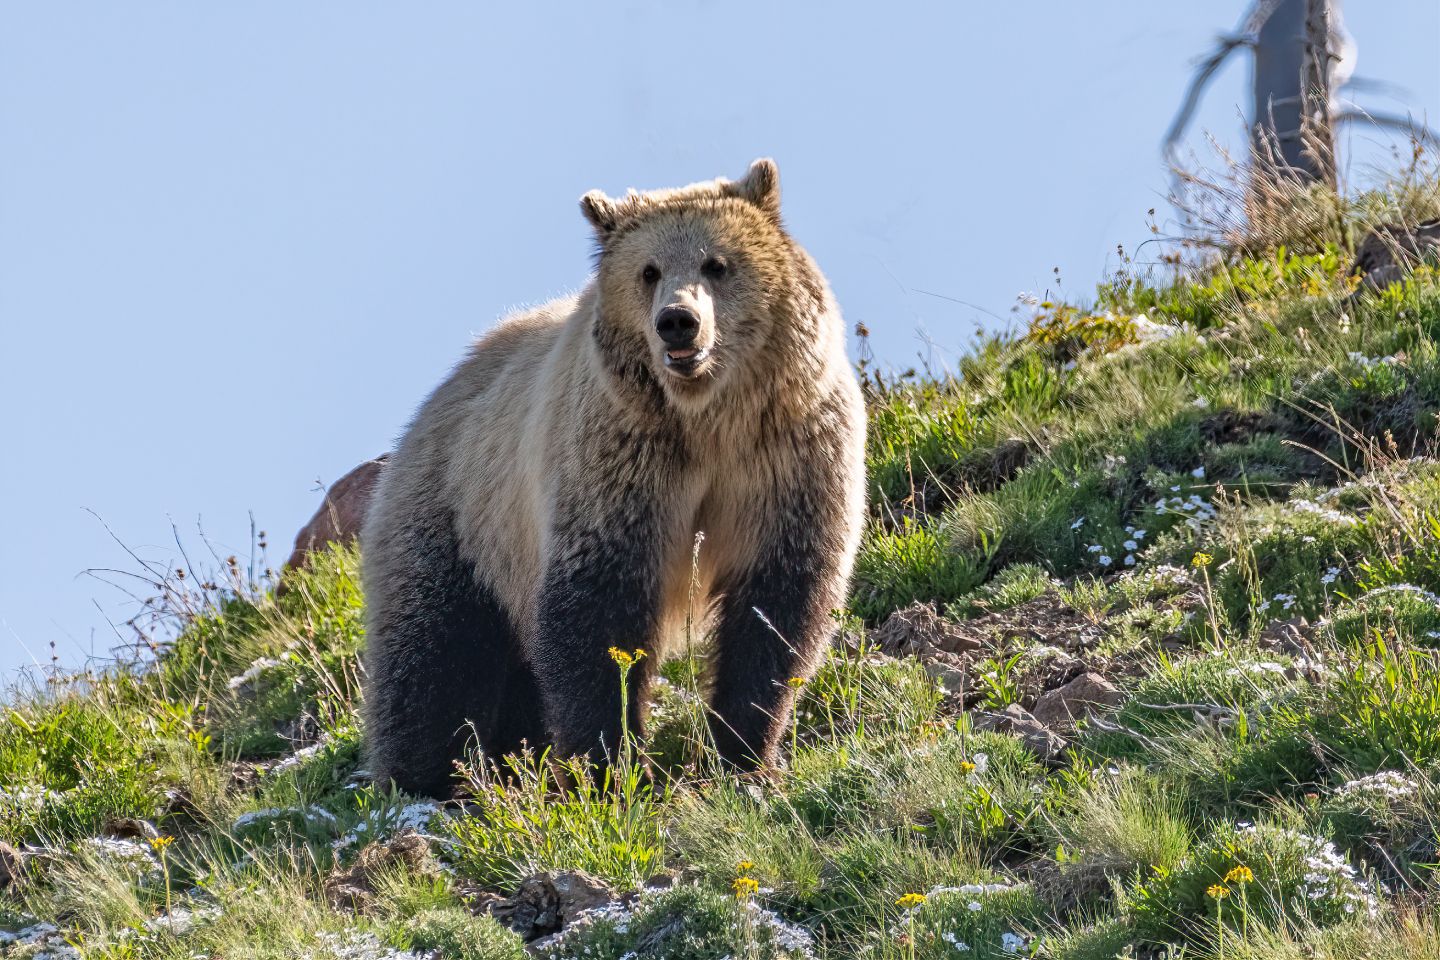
(1228,479)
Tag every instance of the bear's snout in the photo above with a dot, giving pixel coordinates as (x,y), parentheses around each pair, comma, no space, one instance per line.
(678,326)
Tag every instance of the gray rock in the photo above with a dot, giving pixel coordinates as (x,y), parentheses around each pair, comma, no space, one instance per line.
(1018,721)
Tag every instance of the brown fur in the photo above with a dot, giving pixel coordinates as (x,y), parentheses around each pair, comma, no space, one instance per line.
(544,504)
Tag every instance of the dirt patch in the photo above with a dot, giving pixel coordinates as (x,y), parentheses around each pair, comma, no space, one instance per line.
(1058,644)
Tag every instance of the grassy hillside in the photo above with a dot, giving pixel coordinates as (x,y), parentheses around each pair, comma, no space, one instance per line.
(1213,500)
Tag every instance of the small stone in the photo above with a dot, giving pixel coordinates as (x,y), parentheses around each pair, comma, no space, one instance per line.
(1016,720)
(12,866)
(1061,707)
(130,828)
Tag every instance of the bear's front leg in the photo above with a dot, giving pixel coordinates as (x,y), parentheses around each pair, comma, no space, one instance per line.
(600,591)
(775,622)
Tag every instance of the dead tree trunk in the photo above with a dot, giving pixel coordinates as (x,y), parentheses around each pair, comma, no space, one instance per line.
(1317,125)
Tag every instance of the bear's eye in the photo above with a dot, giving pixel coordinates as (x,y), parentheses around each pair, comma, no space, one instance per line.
(714,268)
(651,274)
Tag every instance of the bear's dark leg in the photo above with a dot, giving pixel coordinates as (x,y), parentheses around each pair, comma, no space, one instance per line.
(441,661)
(520,722)
(600,591)
(794,584)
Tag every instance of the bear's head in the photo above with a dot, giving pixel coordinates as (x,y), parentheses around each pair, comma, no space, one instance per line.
(693,282)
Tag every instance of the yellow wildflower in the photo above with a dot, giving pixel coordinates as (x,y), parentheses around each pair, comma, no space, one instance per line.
(1201,560)
(911,901)
(966,766)
(160,843)
(745,887)
(1241,874)
(1218,891)
(626,658)
(744,866)
(796,682)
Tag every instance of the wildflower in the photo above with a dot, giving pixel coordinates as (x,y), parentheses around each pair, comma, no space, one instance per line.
(744,867)
(626,658)
(911,901)
(1104,560)
(1218,891)
(1330,575)
(1077,524)
(1129,559)
(1139,534)
(974,906)
(796,683)
(1385,785)
(1240,874)
(1094,548)
(745,887)
(1201,560)
(966,766)
(1131,545)
(1198,473)
(160,843)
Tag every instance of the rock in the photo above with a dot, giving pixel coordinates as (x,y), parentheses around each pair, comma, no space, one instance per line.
(547,902)
(955,676)
(353,888)
(660,881)
(919,631)
(989,469)
(342,513)
(1016,720)
(1392,250)
(1061,707)
(12,866)
(130,828)
(1287,636)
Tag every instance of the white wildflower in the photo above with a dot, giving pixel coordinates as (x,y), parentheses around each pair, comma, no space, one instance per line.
(252,672)
(1385,785)
(312,814)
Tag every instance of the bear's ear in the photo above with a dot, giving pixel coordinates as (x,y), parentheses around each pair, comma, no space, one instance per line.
(761,186)
(602,213)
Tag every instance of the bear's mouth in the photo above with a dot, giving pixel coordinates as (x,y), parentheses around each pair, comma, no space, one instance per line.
(686,361)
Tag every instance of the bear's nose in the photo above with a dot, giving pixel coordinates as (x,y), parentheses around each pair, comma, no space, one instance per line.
(678,326)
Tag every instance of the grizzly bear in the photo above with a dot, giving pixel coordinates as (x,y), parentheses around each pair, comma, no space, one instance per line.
(543,506)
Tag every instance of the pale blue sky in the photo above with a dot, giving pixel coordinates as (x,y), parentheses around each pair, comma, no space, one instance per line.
(240,242)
